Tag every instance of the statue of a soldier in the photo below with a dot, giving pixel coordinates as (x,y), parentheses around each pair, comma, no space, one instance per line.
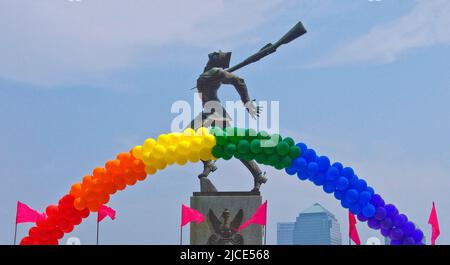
(214,114)
(216,73)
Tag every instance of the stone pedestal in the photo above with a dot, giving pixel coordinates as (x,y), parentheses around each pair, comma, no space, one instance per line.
(225,211)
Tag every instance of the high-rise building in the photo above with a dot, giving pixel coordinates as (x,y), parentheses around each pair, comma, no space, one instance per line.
(285,233)
(314,226)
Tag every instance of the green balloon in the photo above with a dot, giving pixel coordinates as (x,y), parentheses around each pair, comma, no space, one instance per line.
(289,141)
(222,140)
(255,146)
(248,156)
(239,155)
(279,166)
(295,152)
(283,148)
(218,151)
(250,134)
(276,138)
(230,149)
(260,158)
(243,146)
(263,135)
(216,131)
(273,159)
(227,157)
(286,161)
(269,147)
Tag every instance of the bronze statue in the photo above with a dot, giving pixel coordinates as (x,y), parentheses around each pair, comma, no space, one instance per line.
(225,233)
(216,73)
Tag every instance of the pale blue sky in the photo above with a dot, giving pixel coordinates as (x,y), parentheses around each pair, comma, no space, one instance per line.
(81,81)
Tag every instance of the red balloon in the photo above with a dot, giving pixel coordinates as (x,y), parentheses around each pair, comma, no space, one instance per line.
(51,210)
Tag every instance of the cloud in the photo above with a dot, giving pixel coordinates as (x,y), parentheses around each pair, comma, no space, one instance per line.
(49,42)
(425,25)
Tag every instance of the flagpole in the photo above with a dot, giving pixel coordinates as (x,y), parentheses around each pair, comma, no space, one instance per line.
(265,234)
(15,229)
(181,235)
(98,226)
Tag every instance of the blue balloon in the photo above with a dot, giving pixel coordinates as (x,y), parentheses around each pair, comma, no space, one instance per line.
(387,223)
(369,211)
(310,155)
(409,241)
(338,166)
(380,213)
(329,187)
(332,173)
(400,220)
(351,195)
(373,223)
(300,163)
(342,183)
(371,191)
(408,228)
(302,175)
(291,171)
(364,197)
(313,168)
(418,235)
(361,185)
(319,179)
(345,204)
(324,163)
(347,172)
(396,242)
(303,147)
(355,208)
(396,233)
(338,194)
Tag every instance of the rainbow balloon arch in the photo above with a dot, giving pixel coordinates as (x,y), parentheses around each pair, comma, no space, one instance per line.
(192,146)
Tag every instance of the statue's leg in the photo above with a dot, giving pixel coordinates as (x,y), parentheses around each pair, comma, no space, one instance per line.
(258,176)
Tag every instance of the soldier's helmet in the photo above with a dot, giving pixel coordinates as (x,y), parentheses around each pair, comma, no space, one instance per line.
(218,59)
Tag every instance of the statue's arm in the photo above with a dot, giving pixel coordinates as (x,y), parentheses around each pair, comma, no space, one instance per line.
(238,83)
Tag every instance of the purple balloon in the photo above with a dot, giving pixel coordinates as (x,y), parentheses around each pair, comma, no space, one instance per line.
(377,201)
(387,223)
(396,233)
(418,235)
(395,242)
(409,241)
(391,210)
(373,223)
(408,228)
(380,213)
(385,232)
(362,218)
(400,220)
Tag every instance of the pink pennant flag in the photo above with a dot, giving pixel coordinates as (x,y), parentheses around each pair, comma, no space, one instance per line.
(353,232)
(25,214)
(188,215)
(105,211)
(433,221)
(259,217)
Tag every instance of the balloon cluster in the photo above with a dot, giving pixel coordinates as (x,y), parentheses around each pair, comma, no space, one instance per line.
(95,189)
(178,148)
(60,219)
(393,224)
(247,144)
(355,195)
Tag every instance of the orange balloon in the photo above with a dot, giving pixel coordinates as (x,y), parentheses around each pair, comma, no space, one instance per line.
(76,190)
(99,172)
(141,176)
(79,204)
(102,198)
(109,187)
(87,181)
(93,206)
(97,185)
(120,183)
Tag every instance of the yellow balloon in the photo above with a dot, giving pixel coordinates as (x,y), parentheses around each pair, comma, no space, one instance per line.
(205,154)
(188,133)
(209,141)
(163,139)
(149,144)
(159,151)
(150,170)
(146,157)
(181,160)
(175,138)
(170,160)
(196,143)
(137,152)
(160,164)
(202,132)
(183,147)
(194,156)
